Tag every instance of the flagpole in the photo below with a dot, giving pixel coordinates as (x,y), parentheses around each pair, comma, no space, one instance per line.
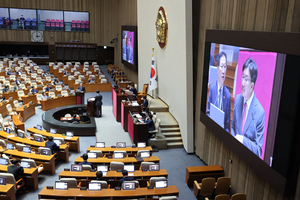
(153,91)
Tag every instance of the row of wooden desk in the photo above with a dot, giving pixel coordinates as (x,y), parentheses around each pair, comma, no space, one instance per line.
(112,194)
(7,192)
(48,104)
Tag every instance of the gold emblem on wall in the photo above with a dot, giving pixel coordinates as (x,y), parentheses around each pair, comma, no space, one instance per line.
(162,27)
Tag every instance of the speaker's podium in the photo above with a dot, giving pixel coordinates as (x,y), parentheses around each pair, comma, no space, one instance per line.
(91,107)
(79,97)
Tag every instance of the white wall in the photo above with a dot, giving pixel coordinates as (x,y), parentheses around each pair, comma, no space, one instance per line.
(51,14)
(174,63)
(4,12)
(27,13)
(69,16)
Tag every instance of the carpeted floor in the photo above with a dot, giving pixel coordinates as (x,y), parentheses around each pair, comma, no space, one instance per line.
(174,161)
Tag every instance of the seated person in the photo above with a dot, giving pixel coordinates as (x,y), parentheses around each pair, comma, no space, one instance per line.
(133,89)
(121,80)
(15,169)
(48,88)
(99,72)
(91,80)
(150,123)
(8,72)
(121,72)
(99,175)
(146,114)
(44,96)
(85,162)
(5,89)
(55,82)
(33,90)
(19,72)
(18,82)
(66,73)
(51,145)
(145,103)
(125,178)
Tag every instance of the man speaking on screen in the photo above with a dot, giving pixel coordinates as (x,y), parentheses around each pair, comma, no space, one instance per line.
(218,93)
(248,123)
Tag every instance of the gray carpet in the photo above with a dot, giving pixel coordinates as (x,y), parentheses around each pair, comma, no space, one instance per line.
(174,161)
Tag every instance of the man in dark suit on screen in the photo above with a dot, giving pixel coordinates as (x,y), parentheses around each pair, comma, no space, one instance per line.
(248,122)
(98,102)
(218,93)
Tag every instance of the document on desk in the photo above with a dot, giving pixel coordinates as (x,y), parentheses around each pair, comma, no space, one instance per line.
(138,115)
(134,104)
(67,138)
(10,136)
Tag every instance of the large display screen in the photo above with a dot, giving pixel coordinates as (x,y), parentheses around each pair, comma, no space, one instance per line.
(240,86)
(129,47)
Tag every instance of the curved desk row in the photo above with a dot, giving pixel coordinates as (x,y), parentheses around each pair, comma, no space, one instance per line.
(27,112)
(48,104)
(129,150)
(73,141)
(3,110)
(93,87)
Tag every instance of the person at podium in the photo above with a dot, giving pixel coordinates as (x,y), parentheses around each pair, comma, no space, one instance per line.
(219,95)
(98,103)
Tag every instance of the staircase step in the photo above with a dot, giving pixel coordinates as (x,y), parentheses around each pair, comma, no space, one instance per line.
(172,134)
(174,145)
(174,139)
(169,125)
(164,130)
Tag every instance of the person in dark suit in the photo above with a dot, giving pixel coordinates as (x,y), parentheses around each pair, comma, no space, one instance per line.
(98,102)
(48,88)
(150,123)
(121,72)
(99,72)
(125,178)
(91,80)
(33,90)
(5,89)
(219,94)
(18,82)
(75,119)
(133,89)
(85,162)
(248,122)
(8,72)
(81,88)
(19,72)
(15,169)
(51,145)
(145,103)
(66,73)
(99,176)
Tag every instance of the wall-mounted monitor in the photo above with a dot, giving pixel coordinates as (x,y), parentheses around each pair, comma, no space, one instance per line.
(129,51)
(250,95)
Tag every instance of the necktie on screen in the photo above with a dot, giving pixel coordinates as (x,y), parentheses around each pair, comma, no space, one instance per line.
(244,117)
(220,97)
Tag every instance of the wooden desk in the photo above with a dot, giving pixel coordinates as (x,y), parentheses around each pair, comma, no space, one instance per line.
(113,177)
(27,112)
(63,152)
(30,176)
(128,160)
(138,132)
(8,192)
(199,172)
(73,142)
(112,194)
(47,161)
(48,104)
(68,118)
(14,95)
(3,109)
(26,99)
(93,87)
(129,150)
(18,123)
(125,108)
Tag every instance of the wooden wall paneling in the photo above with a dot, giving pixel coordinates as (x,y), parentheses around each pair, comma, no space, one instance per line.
(289,17)
(260,14)
(296,17)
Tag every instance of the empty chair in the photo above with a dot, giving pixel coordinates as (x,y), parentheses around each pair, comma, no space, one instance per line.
(27,80)
(86,63)
(35,135)
(238,196)
(10,110)
(154,179)
(2,143)
(168,198)
(94,63)
(60,139)
(22,86)
(33,164)
(86,167)
(137,184)
(10,179)
(103,183)
(114,166)
(141,151)
(145,165)
(20,146)
(64,93)
(222,197)
(77,81)
(205,188)
(223,185)
(52,94)
(45,148)
(98,153)
(104,80)
(72,182)
(6,82)
(101,76)
(68,115)
(5,122)
(21,94)
(16,104)
(39,98)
